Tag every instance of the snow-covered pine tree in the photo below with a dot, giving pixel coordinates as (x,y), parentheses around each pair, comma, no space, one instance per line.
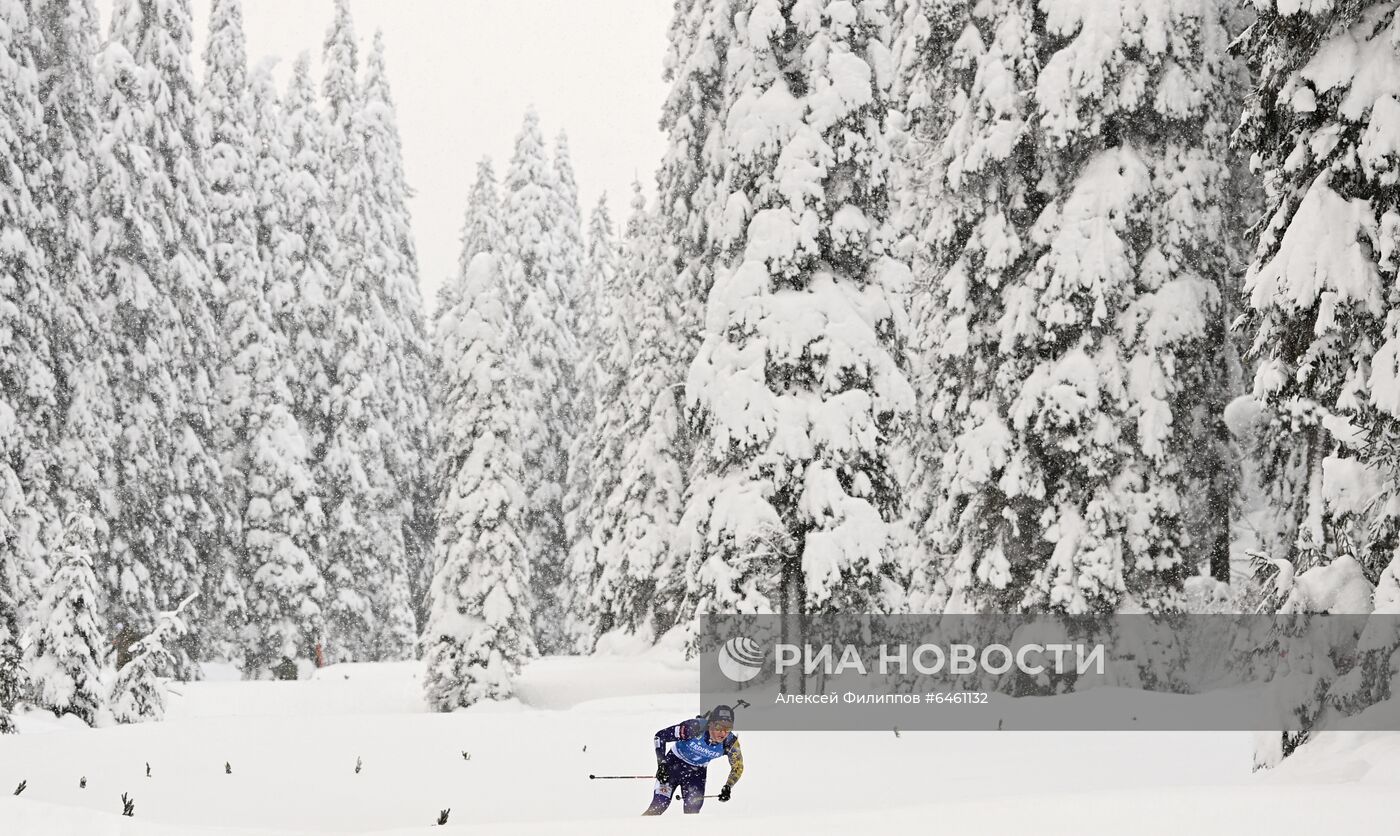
(10,622)
(639,586)
(305,219)
(479,626)
(151,254)
(481,228)
(11,681)
(65,37)
(570,229)
(1079,245)
(227,119)
(1373,678)
(1320,124)
(537,296)
(933,69)
(27,299)
(226,111)
(275,238)
(411,449)
(593,459)
(11,672)
(141,686)
(364,534)
(281,507)
(578,410)
(690,180)
(66,654)
(796,387)
(481,232)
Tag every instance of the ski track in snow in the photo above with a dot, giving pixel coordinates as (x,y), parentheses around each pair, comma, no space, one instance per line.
(293,748)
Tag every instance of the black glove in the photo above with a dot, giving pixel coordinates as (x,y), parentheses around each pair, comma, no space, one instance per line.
(724,793)
(661,774)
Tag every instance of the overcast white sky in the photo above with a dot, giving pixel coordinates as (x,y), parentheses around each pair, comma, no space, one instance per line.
(463,72)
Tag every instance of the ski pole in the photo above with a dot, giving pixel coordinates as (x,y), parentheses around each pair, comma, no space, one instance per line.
(593,777)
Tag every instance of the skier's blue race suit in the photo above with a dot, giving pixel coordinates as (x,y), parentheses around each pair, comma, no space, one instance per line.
(685,763)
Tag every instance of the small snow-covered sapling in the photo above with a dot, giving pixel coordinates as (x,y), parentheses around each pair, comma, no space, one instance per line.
(896,731)
(128,806)
(358,763)
(19,789)
(466,756)
(82,783)
(442,815)
(148,769)
(228,770)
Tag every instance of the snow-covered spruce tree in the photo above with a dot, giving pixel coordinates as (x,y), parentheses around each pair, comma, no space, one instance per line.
(1080,248)
(364,549)
(11,682)
(140,689)
(597,258)
(1320,124)
(407,383)
(226,111)
(11,672)
(1373,677)
(578,415)
(151,254)
(1302,666)
(305,218)
(280,509)
(27,298)
(796,387)
(65,36)
(275,238)
(481,232)
(545,347)
(570,229)
(10,621)
(29,317)
(690,180)
(639,587)
(934,68)
(64,659)
(593,459)
(479,626)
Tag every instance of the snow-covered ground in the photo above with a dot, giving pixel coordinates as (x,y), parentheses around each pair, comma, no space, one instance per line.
(293,748)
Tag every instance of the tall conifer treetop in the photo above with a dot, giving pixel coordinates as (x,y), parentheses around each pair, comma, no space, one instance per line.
(796,384)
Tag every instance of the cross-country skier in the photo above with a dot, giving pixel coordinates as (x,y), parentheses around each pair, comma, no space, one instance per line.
(697,742)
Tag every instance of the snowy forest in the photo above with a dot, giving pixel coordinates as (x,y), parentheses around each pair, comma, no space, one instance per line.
(933,306)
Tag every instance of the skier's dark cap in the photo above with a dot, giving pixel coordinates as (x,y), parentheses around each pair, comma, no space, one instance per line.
(722,714)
